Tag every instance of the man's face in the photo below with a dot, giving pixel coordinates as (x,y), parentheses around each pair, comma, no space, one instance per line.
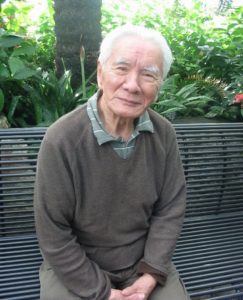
(130,79)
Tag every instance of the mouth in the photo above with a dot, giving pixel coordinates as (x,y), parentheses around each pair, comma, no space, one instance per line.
(128,102)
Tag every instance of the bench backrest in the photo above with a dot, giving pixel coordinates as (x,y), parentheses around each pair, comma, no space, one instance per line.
(212,156)
(18,155)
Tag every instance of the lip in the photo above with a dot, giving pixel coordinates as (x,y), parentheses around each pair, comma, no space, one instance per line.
(128,102)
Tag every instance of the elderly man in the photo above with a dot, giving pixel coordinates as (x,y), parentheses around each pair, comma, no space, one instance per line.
(110,190)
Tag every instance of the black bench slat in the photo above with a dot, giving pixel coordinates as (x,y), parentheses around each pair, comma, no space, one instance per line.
(212,277)
(221,279)
(18,276)
(12,285)
(234,296)
(17,260)
(23,216)
(16,175)
(12,266)
(209,253)
(22,168)
(22,292)
(14,194)
(21,200)
(219,290)
(209,285)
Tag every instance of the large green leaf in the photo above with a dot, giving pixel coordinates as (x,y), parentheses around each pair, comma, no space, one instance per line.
(24,49)
(7,41)
(187,90)
(4,72)
(15,65)
(24,74)
(3,54)
(18,69)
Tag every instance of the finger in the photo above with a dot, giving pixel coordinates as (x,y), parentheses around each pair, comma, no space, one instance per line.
(129,291)
(136,296)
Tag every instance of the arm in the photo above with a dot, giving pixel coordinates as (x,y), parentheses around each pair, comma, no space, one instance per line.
(168,215)
(54,210)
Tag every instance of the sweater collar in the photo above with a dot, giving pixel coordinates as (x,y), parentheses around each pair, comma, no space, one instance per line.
(143,123)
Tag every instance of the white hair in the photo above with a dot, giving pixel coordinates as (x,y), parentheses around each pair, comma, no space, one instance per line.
(132,30)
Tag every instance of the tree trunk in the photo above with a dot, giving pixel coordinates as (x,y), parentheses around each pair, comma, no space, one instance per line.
(77,23)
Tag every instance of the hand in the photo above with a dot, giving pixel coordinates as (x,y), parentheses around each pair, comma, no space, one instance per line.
(142,288)
(117,295)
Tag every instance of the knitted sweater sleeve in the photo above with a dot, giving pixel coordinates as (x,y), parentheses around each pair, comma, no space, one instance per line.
(54,209)
(168,214)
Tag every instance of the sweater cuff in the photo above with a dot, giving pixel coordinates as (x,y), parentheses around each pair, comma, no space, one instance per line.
(158,276)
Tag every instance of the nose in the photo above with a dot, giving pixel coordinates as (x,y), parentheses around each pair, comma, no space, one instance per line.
(131,83)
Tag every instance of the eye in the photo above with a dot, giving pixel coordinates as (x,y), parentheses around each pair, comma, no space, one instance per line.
(147,76)
(120,69)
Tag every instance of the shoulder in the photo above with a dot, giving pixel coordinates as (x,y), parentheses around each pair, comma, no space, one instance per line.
(161,125)
(69,127)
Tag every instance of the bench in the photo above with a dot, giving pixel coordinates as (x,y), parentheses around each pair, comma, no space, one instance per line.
(209,253)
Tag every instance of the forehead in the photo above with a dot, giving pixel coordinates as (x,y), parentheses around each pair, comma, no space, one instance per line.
(134,49)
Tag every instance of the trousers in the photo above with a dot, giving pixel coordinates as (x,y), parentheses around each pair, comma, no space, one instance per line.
(53,289)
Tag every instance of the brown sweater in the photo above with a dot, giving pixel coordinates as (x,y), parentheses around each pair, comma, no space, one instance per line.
(96,212)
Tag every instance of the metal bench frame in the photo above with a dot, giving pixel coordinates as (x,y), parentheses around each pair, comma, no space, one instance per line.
(209,253)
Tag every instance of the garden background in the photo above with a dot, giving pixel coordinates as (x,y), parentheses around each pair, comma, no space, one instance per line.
(38,83)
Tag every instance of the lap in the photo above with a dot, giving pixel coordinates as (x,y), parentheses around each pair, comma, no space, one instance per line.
(53,289)
(174,288)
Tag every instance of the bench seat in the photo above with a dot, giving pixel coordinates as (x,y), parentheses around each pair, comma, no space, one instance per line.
(209,252)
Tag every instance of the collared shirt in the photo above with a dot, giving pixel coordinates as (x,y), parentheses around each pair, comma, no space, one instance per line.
(123,148)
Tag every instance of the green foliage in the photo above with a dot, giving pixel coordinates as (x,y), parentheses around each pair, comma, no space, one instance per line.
(45,39)
(29,95)
(30,92)
(204,78)
(15,68)
(208,55)
(180,98)
(16,18)
(50,98)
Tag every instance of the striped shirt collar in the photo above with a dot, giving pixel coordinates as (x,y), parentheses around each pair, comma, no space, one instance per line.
(143,124)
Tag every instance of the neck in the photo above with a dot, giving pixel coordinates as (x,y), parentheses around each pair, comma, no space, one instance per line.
(115,125)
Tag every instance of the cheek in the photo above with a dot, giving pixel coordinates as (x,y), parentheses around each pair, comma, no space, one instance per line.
(109,82)
(151,95)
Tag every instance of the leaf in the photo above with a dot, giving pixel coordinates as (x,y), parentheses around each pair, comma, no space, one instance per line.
(24,74)
(13,105)
(198,100)
(7,41)
(3,54)
(4,72)
(187,90)
(1,100)
(173,109)
(19,70)
(15,65)
(24,49)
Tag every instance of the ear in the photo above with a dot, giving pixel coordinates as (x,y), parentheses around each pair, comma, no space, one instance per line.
(99,74)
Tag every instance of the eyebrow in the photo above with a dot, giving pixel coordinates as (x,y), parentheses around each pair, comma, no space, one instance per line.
(121,61)
(151,69)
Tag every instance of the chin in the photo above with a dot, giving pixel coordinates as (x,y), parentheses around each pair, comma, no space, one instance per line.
(130,115)
(124,111)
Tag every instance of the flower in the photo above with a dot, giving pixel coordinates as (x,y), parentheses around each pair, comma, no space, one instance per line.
(238,99)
